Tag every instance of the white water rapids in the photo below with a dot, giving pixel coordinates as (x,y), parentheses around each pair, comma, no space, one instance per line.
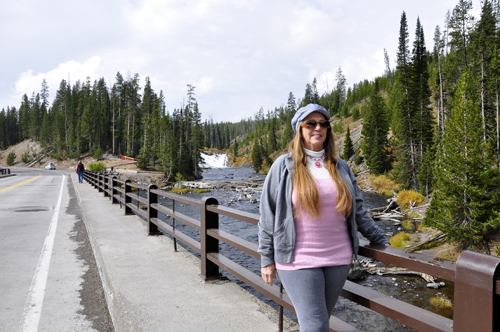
(214,160)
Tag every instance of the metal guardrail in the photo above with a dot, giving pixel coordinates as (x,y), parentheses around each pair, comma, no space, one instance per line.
(4,171)
(476,276)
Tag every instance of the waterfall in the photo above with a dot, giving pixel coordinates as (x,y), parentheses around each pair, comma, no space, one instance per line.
(214,160)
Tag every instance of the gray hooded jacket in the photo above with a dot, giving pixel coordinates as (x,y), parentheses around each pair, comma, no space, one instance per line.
(276,224)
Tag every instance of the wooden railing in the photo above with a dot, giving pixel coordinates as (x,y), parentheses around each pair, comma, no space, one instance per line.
(476,276)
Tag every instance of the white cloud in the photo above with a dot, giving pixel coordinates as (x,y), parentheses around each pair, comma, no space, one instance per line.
(72,70)
(239,54)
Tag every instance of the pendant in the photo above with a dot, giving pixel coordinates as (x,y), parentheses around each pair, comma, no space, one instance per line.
(318,164)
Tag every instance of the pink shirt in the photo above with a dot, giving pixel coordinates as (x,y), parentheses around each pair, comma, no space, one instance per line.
(324,241)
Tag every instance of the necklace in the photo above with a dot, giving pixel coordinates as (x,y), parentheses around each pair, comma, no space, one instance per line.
(317,160)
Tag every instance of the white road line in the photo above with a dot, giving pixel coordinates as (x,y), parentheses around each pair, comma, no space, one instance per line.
(34,302)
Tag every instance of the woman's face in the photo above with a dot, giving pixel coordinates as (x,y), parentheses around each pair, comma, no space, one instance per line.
(313,138)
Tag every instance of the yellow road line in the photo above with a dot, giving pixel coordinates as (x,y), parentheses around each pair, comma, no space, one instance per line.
(36,177)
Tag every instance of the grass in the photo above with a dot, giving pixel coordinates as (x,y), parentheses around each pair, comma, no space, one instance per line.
(412,214)
(451,254)
(180,190)
(440,302)
(201,191)
(398,240)
(408,225)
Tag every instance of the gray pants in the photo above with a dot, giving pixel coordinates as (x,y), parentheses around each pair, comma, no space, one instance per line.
(314,293)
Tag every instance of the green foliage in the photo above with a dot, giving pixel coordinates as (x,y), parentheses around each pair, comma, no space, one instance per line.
(348,146)
(179,177)
(355,113)
(425,174)
(466,206)
(96,167)
(11,158)
(56,156)
(257,157)
(73,154)
(337,127)
(357,158)
(375,127)
(25,157)
(97,153)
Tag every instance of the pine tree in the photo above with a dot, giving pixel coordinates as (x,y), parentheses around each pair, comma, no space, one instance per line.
(348,146)
(425,174)
(257,156)
(466,204)
(422,93)
(375,127)
(460,24)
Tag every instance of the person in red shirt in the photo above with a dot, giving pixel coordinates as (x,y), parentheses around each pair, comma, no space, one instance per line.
(79,170)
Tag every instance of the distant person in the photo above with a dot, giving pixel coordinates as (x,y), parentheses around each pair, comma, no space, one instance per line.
(311,210)
(80,168)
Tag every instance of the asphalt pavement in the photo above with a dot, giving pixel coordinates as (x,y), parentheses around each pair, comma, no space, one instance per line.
(45,282)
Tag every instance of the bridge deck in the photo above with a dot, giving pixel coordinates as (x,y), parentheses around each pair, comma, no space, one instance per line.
(149,287)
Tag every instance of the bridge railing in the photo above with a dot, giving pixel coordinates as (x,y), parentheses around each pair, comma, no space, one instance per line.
(4,171)
(476,276)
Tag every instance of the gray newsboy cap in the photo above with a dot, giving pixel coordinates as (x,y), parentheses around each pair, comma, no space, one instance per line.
(303,112)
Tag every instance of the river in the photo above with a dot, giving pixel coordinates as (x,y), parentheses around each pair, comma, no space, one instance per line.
(407,288)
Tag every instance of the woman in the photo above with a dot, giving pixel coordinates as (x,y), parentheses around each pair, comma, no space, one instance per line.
(79,170)
(311,209)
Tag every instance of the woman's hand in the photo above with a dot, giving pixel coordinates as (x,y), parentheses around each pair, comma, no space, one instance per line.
(268,273)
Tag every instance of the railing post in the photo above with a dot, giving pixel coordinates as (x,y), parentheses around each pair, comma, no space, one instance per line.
(152,212)
(114,192)
(94,180)
(209,270)
(107,180)
(474,303)
(128,199)
(100,182)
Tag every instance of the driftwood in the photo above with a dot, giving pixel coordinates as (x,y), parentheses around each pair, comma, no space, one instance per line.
(438,237)
(399,271)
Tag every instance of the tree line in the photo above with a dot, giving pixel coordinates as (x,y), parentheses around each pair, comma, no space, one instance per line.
(431,123)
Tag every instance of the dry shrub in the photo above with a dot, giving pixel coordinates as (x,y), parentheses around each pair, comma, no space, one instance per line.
(405,196)
(450,254)
(383,184)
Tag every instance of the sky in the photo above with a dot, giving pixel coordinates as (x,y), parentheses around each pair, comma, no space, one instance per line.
(240,55)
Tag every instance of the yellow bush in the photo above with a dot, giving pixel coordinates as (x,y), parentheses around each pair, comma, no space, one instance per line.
(383,184)
(405,196)
(399,239)
(440,302)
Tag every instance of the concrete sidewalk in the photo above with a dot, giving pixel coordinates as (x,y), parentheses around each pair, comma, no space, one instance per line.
(149,287)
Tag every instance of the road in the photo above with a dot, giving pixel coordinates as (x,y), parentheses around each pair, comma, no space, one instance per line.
(48,278)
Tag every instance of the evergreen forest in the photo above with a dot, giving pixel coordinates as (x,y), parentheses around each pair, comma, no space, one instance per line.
(431,122)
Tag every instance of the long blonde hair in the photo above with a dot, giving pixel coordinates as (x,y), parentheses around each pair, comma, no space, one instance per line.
(308,198)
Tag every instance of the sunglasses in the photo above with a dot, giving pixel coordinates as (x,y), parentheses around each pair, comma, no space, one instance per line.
(311,124)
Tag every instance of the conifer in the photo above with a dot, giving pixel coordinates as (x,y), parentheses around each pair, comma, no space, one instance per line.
(466,204)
